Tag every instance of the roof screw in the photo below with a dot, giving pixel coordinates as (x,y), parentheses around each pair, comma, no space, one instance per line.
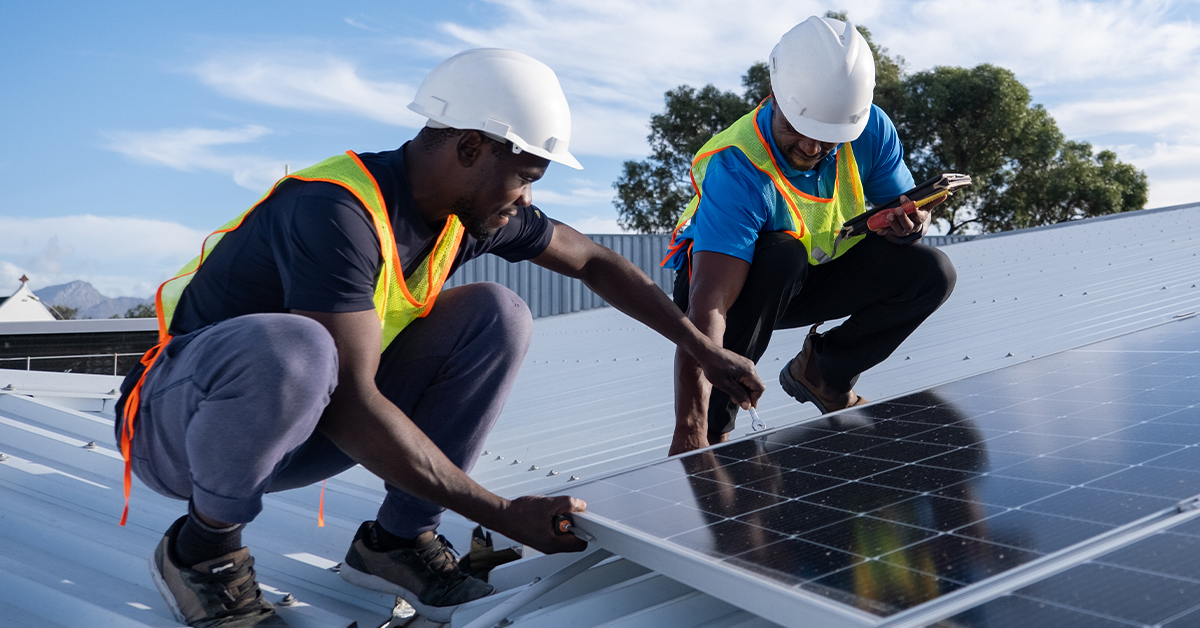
(1009,355)
(993,300)
(908,357)
(1060,295)
(113,392)
(534,468)
(91,445)
(552,472)
(288,600)
(573,478)
(487,453)
(3,457)
(1164,287)
(967,357)
(1085,293)
(516,462)
(499,457)
(10,386)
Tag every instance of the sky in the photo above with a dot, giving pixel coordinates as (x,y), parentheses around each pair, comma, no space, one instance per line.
(129,131)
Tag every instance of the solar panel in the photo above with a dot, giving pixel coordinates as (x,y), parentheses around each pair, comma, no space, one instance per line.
(1154,581)
(868,514)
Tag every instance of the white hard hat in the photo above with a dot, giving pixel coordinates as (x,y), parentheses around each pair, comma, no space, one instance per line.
(823,76)
(504,94)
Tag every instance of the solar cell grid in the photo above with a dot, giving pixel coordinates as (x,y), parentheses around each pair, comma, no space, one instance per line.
(890,505)
(1152,582)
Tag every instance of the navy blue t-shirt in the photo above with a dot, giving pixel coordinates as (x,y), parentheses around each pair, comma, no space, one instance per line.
(312,246)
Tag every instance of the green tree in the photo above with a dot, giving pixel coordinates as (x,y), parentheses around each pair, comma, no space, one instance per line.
(651,194)
(141,310)
(63,313)
(1076,184)
(977,121)
(980,122)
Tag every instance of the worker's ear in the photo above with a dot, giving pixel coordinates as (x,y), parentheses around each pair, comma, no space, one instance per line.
(470,148)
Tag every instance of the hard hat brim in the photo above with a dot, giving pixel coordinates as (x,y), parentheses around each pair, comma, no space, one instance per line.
(822,131)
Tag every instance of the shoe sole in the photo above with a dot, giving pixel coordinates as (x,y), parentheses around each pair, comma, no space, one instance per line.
(798,391)
(165,591)
(440,614)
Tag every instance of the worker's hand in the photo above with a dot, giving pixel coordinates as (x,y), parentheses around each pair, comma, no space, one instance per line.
(688,440)
(733,374)
(530,521)
(902,224)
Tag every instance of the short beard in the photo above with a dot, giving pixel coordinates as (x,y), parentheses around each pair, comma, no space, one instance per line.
(476,225)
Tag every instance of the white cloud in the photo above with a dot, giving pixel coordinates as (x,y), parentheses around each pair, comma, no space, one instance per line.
(62,249)
(309,82)
(1108,67)
(195,149)
(616,59)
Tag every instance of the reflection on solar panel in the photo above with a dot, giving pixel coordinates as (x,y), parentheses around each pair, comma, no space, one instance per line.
(918,508)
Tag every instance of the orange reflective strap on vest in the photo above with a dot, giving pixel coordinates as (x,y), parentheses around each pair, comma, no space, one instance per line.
(397,301)
(132,401)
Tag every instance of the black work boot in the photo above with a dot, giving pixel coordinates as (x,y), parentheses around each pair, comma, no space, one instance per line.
(426,575)
(217,593)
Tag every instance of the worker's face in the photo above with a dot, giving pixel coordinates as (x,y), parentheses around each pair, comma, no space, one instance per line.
(802,152)
(502,183)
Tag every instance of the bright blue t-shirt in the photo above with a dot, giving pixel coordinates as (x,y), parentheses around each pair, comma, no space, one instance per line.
(739,201)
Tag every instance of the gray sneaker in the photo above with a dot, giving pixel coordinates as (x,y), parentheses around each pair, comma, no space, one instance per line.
(426,576)
(218,593)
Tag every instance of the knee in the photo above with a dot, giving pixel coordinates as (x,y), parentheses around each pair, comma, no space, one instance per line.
(779,250)
(504,315)
(296,351)
(937,273)
(779,259)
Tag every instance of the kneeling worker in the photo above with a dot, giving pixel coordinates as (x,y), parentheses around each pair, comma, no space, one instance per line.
(756,249)
(308,341)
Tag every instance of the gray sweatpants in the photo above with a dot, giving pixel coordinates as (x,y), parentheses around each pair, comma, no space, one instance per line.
(230,412)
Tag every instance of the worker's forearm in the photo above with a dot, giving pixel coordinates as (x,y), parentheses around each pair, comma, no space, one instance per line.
(628,289)
(691,395)
(692,388)
(377,435)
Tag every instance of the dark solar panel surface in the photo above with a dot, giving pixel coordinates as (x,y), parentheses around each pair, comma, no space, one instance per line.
(1153,582)
(895,504)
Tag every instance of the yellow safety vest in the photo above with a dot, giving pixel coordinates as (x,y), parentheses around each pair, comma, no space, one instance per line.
(815,221)
(397,302)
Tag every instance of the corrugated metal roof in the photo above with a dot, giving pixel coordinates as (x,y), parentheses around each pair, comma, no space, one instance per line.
(594,396)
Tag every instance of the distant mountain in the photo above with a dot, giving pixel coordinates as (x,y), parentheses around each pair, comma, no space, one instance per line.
(87,299)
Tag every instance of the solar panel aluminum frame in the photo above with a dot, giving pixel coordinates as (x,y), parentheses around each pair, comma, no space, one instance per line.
(794,608)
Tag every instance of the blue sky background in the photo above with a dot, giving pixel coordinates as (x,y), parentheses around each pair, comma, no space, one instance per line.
(129,131)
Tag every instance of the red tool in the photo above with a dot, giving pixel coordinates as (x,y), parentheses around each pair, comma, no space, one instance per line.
(925,194)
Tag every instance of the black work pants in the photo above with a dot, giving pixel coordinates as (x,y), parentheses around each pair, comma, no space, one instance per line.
(886,289)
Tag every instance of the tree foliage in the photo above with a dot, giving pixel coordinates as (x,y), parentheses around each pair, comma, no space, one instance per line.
(141,310)
(977,121)
(63,313)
